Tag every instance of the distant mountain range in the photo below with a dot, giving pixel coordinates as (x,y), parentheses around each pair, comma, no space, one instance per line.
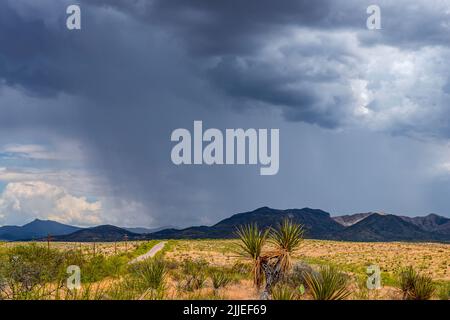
(148,230)
(35,230)
(318,224)
(39,229)
(102,233)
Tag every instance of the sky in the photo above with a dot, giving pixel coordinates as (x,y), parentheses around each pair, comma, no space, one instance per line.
(86,115)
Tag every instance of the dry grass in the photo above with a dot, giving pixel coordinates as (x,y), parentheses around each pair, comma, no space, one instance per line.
(430,258)
(87,248)
(352,258)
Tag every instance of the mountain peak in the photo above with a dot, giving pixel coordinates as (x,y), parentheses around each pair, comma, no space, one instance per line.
(42,221)
(434,215)
(37,222)
(104,232)
(35,229)
(263,209)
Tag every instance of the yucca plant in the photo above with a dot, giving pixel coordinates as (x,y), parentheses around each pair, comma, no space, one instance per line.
(283,292)
(128,288)
(423,288)
(286,239)
(220,279)
(407,277)
(150,274)
(251,246)
(89,292)
(327,284)
(194,275)
(416,286)
(276,264)
(444,292)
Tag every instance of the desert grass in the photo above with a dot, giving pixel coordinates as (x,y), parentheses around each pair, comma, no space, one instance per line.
(432,259)
(218,272)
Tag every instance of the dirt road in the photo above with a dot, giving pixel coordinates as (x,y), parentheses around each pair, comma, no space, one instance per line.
(151,253)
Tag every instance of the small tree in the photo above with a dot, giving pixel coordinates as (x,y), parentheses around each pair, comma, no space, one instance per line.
(251,246)
(271,266)
(276,264)
(286,240)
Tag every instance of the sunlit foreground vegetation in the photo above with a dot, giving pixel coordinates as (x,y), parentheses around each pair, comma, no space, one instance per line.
(259,265)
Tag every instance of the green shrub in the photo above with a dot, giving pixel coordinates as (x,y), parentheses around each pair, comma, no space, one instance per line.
(297,276)
(25,272)
(193,275)
(327,284)
(126,289)
(150,273)
(416,286)
(444,291)
(98,267)
(406,280)
(145,280)
(423,288)
(241,268)
(283,292)
(88,292)
(220,279)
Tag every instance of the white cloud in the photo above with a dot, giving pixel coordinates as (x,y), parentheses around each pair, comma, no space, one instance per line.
(30,151)
(330,77)
(51,177)
(62,150)
(445,167)
(78,182)
(404,89)
(24,201)
(128,213)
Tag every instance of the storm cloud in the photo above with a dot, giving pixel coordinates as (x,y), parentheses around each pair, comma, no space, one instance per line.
(139,69)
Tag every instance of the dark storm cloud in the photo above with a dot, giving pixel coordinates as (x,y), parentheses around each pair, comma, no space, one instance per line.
(46,59)
(412,25)
(225,27)
(27,52)
(224,40)
(139,69)
(233,26)
(229,36)
(94,64)
(300,97)
(120,88)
